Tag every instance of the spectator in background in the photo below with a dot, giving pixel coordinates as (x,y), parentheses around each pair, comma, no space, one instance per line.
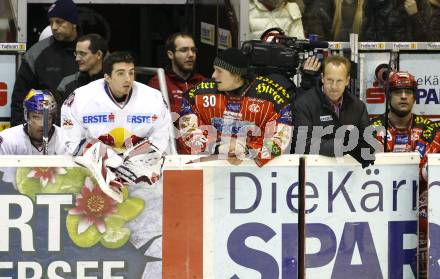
(347,18)
(396,21)
(49,60)
(180,76)
(90,52)
(265,14)
(329,105)
(435,20)
(27,139)
(426,21)
(318,17)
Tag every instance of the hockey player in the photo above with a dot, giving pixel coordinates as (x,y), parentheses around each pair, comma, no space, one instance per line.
(408,132)
(27,139)
(123,125)
(237,114)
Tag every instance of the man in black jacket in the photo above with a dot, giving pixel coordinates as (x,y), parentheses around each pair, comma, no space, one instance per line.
(327,116)
(91,50)
(49,60)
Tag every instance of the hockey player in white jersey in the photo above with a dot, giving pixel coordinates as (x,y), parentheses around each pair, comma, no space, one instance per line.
(28,138)
(126,125)
(119,125)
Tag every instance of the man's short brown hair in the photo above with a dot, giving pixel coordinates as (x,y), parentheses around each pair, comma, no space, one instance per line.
(337,60)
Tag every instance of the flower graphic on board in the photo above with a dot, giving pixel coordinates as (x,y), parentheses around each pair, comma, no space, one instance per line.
(92,205)
(46,175)
(98,218)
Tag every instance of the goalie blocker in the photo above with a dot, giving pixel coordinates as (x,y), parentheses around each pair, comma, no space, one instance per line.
(142,163)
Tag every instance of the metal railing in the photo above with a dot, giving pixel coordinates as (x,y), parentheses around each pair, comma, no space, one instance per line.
(163,88)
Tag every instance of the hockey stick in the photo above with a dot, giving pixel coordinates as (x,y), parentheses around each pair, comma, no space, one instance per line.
(302,218)
(45,128)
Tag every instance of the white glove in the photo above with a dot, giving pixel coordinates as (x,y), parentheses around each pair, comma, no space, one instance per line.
(94,159)
(196,139)
(141,163)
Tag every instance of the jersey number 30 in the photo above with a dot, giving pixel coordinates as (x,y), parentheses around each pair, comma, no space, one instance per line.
(209,101)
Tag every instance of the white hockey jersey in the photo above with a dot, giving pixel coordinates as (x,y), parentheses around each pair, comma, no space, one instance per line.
(15,141)
(91,112)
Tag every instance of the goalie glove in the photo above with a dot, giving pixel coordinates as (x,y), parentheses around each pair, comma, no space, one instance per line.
(99,159)
(141,163)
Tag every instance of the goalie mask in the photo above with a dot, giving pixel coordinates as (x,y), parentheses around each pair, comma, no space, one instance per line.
(36,100)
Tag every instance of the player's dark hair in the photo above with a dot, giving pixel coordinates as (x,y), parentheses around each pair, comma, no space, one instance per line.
(116,57)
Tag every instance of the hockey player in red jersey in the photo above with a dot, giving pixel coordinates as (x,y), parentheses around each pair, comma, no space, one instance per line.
(408,132)
(237,114)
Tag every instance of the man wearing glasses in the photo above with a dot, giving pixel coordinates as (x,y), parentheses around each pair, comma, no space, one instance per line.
(180,76)
(89,54)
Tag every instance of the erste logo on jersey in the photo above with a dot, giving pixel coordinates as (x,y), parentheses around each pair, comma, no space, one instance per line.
(141,118)
(98,118)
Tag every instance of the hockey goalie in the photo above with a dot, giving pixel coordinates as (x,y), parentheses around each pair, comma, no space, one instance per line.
(141,163)
(119,126)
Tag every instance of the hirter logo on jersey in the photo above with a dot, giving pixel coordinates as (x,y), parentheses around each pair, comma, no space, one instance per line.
(141,118)
(98,118)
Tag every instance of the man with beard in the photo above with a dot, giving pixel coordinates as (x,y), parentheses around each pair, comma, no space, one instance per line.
(180,76)
(237,114)
(407,131)
(49,60)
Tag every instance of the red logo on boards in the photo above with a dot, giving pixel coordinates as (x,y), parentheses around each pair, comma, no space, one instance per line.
(375,95)
(3,94)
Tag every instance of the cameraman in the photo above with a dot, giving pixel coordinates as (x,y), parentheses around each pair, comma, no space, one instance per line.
(238,114)
(322,112)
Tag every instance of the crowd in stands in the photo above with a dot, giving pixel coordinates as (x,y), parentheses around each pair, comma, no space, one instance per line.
(334,20)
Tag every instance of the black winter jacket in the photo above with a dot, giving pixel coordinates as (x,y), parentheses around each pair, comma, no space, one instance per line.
(43,67)
(71,83)
(311,108)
